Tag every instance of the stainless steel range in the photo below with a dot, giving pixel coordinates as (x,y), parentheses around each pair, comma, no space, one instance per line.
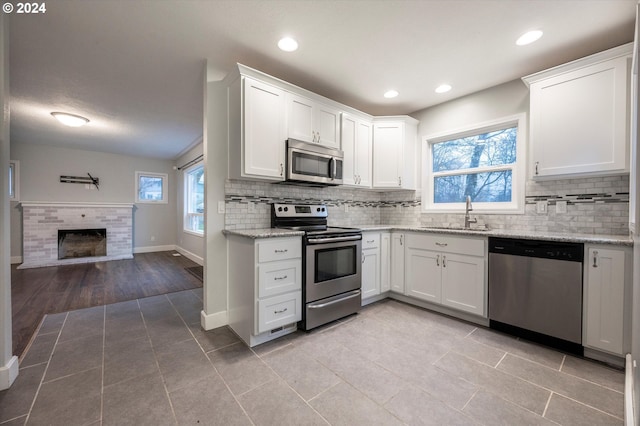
(331,263)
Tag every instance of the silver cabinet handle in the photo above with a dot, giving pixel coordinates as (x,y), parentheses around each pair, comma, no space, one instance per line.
(437,260)
(371,241)
(444,261)
(281,251)
(363,257)
(401,236)
(279,278)
(441,244)
(281,311)
(281,169)
(399,180)
(537,163)
(595,258)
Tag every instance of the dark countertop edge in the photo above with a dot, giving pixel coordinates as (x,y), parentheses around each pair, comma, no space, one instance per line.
(262,233)
(526,235)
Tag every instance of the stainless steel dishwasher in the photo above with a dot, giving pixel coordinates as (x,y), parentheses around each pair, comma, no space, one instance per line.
(535,290)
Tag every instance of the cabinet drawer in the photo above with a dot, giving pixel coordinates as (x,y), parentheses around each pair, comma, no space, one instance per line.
(447,244)
(279,249)
(370,240)
(278,311)
(279,277)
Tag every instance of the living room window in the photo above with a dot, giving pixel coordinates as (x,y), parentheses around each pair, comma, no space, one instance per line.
(14,180)
(151,187)
(483,161)
(194,199)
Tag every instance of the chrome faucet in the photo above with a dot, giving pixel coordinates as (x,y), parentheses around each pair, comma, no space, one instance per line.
(467,219)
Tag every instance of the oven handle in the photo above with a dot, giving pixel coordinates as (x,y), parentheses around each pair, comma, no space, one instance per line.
(313,240)
(352,294)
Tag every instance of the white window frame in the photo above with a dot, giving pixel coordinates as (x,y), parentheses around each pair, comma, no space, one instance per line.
(185,176)
(518,169)
(14,165)
(165,187)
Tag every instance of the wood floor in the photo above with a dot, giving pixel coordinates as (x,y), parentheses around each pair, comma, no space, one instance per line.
(39,291)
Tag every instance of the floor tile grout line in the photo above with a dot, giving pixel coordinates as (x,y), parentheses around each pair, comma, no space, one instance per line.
(471,332)
(546,406)
(566,374)
(46,369)
(564,357)
(155,356)
(589,406)
(469,400)
(560,393)
(501,359)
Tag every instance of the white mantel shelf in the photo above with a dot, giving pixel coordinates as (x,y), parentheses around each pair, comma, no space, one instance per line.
(74,204)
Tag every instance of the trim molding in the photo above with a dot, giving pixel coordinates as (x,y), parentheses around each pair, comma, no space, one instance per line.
(8,373)
(151,249)
(215,320)
(191,256)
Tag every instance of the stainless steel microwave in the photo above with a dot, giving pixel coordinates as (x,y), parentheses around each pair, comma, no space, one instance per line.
(313,164)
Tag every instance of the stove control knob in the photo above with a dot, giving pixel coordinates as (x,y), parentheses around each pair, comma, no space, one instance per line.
(323,209)
(286,209)
(318,209)
(279,209)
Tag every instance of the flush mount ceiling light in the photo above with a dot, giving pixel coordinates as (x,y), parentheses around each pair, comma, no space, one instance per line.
(443,88)
(288,44)
(70,120)
(391,94)
(529,37)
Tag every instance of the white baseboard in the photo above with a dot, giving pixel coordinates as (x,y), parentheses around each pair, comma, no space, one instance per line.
(211,321)
(16,259)
(8,373)
(151,249)
(191,256)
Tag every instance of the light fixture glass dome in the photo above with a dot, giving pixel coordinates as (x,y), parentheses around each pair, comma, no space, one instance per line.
(288,44)
(70,120)
(391,94)
(529,37)
(443,88)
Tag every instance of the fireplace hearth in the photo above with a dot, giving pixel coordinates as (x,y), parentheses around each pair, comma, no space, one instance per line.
(75,243)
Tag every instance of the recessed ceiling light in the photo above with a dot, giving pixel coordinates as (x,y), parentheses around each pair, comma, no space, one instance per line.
(288,44)
(529,37)
(70,120)
(443,88)
(391,94)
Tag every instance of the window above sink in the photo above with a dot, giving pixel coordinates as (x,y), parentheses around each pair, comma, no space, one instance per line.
(485,161)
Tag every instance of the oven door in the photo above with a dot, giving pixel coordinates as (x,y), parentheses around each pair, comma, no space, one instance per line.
(333,266)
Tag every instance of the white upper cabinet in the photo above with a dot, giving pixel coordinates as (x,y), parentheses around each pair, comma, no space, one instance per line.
(357,137)
(579,115)
(311,121)
(394,152)
(256,130)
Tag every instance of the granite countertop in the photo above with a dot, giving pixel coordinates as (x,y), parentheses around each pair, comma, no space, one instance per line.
(506,233)
(263,233)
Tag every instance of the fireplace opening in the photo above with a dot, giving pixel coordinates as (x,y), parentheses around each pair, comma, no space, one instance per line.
(74,243)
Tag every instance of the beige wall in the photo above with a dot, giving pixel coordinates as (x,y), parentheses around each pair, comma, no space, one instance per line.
(40,171)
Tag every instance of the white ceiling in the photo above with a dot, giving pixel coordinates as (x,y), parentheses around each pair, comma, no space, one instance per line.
(135,68)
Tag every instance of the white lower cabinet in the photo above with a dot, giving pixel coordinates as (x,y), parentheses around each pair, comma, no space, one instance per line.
(385,262)
(265,287)
(370,264)
(446,270)
(397,262)
(606,283)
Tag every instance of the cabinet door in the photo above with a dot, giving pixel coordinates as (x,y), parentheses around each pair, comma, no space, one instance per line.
(327,126)
(385,262)
(604,293)
(364,138)
(349,128)
(463,283)
(264,131)
(387,145)
(397,263)
(423,274)
(370,273)
(578,121)
(300,118)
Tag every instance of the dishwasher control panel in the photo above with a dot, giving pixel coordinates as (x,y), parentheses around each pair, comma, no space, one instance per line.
(573,252)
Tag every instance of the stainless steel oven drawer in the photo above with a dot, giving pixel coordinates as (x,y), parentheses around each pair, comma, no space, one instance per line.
(332,308)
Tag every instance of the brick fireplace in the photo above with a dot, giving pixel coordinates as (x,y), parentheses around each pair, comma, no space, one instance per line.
(41,222)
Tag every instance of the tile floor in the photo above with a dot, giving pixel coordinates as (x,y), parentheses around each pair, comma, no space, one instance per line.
(147,362)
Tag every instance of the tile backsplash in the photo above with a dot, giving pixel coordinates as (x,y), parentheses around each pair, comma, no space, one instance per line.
(598,205)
